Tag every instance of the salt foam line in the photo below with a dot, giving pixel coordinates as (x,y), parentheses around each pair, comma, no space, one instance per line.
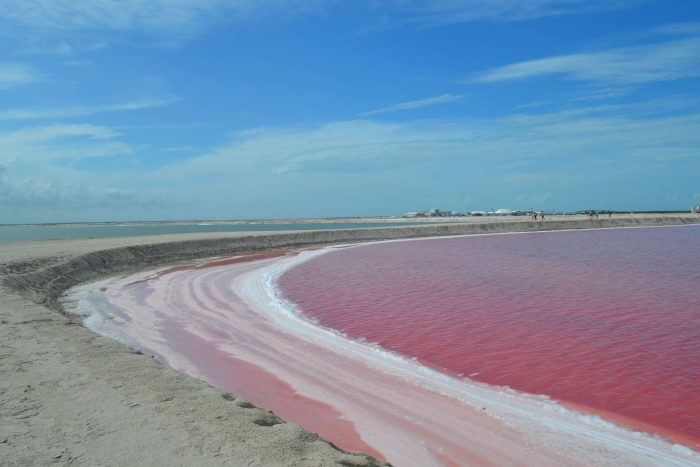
(586,436)
(368,399)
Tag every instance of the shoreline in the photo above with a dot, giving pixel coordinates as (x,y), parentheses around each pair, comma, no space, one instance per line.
(44,279)
(34,335)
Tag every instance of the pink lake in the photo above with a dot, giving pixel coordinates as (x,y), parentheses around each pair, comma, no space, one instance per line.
(604,320)
(408,350)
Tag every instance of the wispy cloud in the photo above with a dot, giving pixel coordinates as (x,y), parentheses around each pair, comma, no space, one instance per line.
(74,27)
(689,28)
(177,149)
(629,132)
(43,133)
(344,167)
(187,17)
(65,48)
(417,104)
(150,16)
(81,110)
(356,162)
(45,193)
(442,12)
(601,93)
(37,173)
(15,74)
(626,65)
(41,145)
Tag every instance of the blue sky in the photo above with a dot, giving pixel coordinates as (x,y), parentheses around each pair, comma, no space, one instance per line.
(221,109)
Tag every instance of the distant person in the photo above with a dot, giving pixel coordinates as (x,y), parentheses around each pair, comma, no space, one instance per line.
(542,215)
(609,214)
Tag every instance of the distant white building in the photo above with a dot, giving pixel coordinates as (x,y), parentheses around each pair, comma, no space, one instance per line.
(695,209)
(503,212)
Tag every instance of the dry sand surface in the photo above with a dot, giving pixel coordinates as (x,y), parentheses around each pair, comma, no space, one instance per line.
(68,395)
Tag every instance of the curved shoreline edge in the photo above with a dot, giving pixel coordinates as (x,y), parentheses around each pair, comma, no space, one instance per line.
(41,282)
(47,285)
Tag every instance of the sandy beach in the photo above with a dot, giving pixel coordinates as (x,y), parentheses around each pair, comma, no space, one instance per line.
(70,396)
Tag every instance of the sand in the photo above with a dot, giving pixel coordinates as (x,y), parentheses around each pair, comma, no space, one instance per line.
(68,395)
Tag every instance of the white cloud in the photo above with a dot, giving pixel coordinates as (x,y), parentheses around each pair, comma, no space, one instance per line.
(371,147)
(15,74)
(38,146)
(71,27)
(43,192)
(690,28)
(442,99)
(190,16)
(39,180)
(81,110)
(459,11)
(177,149)
(152,16)
(50,132)
(352,166)
(342,166)
(626,65)
(601,93)
(35,46)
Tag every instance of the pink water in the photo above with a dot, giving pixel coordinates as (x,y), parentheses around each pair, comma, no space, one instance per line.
(607,319)
(214,321)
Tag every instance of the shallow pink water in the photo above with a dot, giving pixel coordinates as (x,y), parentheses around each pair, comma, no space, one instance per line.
(605,319)
(212,321)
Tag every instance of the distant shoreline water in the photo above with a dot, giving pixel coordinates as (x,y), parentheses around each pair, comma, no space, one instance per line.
(26,232)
